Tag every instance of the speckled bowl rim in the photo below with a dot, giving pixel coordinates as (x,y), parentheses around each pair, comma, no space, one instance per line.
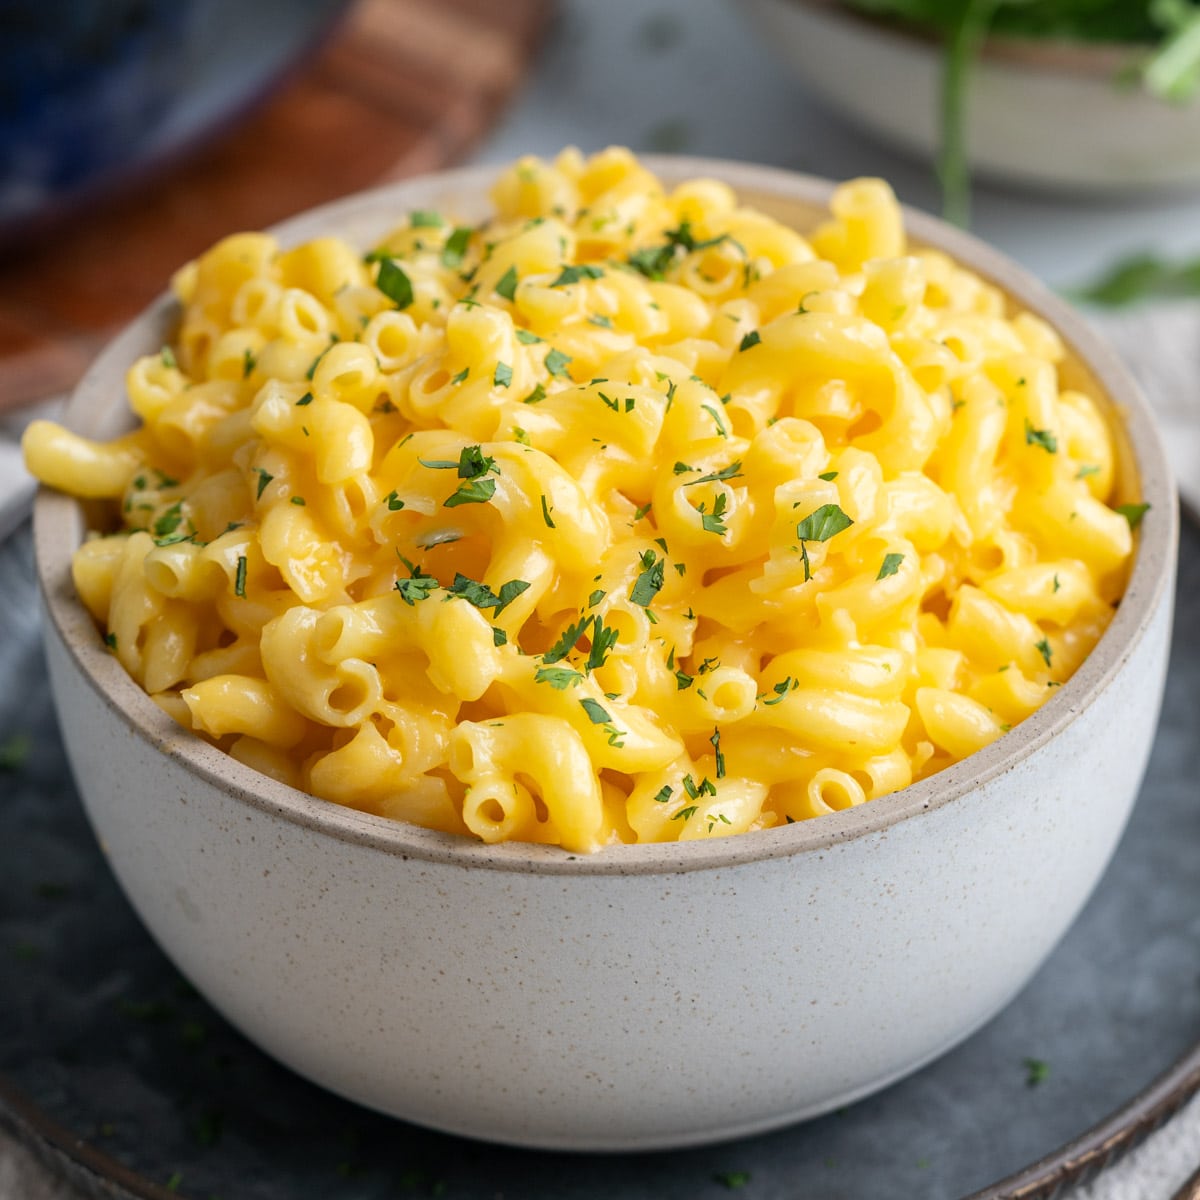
(58,529)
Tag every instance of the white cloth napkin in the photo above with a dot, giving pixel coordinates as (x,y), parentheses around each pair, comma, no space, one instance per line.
(1162,347)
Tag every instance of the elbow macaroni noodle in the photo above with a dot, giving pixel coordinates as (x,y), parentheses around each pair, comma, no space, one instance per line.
(628,515)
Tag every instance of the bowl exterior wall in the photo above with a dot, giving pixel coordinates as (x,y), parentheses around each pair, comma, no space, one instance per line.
(610,1011)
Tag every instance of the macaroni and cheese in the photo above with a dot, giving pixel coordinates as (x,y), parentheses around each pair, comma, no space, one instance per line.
(627,515)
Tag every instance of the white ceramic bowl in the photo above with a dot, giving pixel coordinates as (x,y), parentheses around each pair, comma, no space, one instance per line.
(1048,114)
(646,996)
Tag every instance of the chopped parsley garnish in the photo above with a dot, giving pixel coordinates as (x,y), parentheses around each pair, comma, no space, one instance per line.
(556,363)
(1086,470)
(663,794)
(681,468)
(641,511)
(649,582)
(655,261)
(455,248)
(394,283)
(483,597)
(781,689)
(546,515)
(819,526)
(394,503)
(239,584)
(110,640)
(1043,648)
(305,400)
(168,358)
(538,394)
(461,377)
(316,362)
(891,564)
(249,362)
(559,678)
(715,741)
(526,337)
(604,637)
(417,587)
(596,597)
(507,286)
(1036,1071)
(722,429)
(421,219)
(1040,437)
(600,321)
(596,712)
(714,522)
(299,501)
(732,1179)
(499,637)
(167,524)
(502,376)
(566,640)
(264,477)
(1133,513)
(828,476)
(574,274)
(733,471)
(473,491)
(14,752)
(686,814)
(751,339)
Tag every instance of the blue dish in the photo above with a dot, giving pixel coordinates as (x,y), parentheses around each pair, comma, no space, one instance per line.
(94,95)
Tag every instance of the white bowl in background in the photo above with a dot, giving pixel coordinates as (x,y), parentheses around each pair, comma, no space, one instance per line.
(1047,114)
(645,996)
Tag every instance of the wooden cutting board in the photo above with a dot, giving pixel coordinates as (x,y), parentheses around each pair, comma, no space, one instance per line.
(404,87)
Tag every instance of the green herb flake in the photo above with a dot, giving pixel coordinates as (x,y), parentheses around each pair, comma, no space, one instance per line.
(566,641)
(664,794)
(1036,1071)
(499,637)
(751,339)
(823,523)
(1133,513)
(722,428)
(596,597)
(640,512)
(681,468)
(110,640)
(1086,470)
(14,751)
(1044,649)
(781,689)
(394,283)
(305,400)
(422,219)
(239,584)
(473,491)
(596,712)
(891,564)
(828,476)
(715,742)
(417,587)
(316,362)
(527,338)
(574,274)
(249,362)
(714,522)
(455,248)
(649,582)
(264,477)
(733,471)
(546,515)
(556,363)
(482,597)
(733,1180)
(299,501)
(167,355)
(507,285)
(536,396)
(503,375)
(600,321)
(559,678)
(1040,437)
(461,377)
(604,637)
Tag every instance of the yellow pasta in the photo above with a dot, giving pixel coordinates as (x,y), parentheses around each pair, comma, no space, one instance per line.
(629,514)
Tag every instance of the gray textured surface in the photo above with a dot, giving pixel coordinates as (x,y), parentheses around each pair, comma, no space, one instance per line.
(97,1029)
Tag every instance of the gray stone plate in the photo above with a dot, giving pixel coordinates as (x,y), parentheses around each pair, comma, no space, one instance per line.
(119,1072)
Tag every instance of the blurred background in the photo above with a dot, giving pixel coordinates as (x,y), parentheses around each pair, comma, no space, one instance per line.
(135,132)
